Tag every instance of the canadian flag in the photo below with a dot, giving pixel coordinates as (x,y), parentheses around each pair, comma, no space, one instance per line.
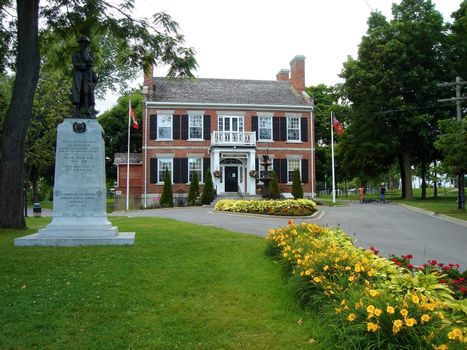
(337,126)
(133,117)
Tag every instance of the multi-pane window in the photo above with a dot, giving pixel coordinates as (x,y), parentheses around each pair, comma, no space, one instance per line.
(164,126)
(195,127)
(162,164)
(293,129)
(195,166)
(265,128)
(292,164)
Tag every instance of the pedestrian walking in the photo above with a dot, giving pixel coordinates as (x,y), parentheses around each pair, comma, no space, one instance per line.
(382,193)
(361,192)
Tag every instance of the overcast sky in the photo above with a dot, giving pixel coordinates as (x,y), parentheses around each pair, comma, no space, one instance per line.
(254,39)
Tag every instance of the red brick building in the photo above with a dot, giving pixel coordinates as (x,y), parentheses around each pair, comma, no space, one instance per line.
(224,126)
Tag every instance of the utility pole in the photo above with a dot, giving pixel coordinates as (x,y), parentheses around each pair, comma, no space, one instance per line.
(458,99)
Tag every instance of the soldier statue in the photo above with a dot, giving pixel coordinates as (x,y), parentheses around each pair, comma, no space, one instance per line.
(84,80)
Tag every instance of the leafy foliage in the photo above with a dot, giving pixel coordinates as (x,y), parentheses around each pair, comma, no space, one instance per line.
(167,199)
(453,144)
(274,190)
(287,207)
(193,192)
(208,191)
(297,188)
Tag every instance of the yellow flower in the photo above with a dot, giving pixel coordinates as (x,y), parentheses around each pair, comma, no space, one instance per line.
(347,268)
(317,279)
(410,322)
(370,309)
(351,278)
(396,326)
(390,310)
(371,273)
(441,315)
(455,334)
(351,317)
(378,312)
(425,318)
(338,310)
(404,312)
(372,327)
(415,299)
(441,347)
(326,267)
(373,292)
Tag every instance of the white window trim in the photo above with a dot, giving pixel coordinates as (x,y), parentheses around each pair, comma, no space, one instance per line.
(299,129)
(271,128)
(171,170)
(299,168)
(200,180)
(171,128)
(202,126)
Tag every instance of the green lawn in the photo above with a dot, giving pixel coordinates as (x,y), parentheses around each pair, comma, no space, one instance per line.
(181,286)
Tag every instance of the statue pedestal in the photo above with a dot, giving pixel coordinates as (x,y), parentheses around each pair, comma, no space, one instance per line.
(79,214)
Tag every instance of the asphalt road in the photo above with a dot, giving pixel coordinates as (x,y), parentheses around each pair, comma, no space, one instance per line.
(390,228)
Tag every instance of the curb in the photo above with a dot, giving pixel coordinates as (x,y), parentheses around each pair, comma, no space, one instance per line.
(265,216)
(430,213)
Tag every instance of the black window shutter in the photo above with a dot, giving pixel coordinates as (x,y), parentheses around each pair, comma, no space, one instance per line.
(153,171)
(206,167)
(257,165)
(304,129)
(153,126)
(183,170)
(207,127)
(284,173)
(305,170)
(275,129)
(276,165)
(180,170)
(184,127)
(176,127)
(254,126)
(283,129)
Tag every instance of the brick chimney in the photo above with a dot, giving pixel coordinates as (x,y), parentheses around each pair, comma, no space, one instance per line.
(297,73)
(282,75)
(148,84)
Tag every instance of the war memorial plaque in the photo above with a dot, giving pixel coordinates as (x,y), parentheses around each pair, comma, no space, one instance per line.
(79,210)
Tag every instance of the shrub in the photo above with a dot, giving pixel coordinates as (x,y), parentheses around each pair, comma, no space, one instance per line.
(288,207)
(208,192)
(297,188)
(193,193)
(372,302)
(274,190)
(167,199)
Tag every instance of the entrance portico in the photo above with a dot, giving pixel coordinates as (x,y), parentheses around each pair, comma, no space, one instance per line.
(234,165)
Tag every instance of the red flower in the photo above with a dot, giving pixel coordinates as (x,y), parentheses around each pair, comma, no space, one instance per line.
(443,281)
(409,266)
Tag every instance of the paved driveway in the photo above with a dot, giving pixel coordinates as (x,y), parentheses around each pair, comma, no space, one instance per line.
(389,228)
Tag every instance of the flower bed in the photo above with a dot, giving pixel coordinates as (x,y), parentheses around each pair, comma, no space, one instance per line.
(287,207)
(372,302)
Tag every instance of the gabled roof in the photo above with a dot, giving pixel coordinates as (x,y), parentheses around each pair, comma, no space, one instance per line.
(226,91)
(122,158)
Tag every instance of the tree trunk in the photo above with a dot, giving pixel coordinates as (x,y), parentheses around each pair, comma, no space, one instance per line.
(435,186)
(402,173)
(407,165)
(423,174)
(460,192)
(18,116)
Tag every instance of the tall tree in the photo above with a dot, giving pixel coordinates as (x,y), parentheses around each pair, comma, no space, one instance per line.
(392,84)
(127,43)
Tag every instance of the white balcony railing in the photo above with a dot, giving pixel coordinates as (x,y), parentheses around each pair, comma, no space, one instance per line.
(219,138)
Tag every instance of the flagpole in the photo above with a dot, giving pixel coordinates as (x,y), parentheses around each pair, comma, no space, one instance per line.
(145,151)
(332,161)
(128,158)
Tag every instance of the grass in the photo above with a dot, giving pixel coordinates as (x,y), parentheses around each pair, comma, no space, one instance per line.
(444,204)
(181,286)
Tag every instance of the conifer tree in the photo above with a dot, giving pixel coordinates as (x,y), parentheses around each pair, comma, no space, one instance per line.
(208,192)
(274,190)
(167,198)
(297,188)
(194,190)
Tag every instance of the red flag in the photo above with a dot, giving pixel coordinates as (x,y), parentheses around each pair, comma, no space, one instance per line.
(337,126)
(133,117)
